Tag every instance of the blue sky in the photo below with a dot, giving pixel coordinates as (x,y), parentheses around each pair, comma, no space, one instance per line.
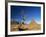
(29,12)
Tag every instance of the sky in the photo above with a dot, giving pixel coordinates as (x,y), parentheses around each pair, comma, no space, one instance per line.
(28,11)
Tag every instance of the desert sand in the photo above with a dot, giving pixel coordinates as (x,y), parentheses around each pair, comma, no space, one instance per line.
(23,27)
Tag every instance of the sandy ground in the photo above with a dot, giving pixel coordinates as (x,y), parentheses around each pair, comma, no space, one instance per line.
(15,27)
